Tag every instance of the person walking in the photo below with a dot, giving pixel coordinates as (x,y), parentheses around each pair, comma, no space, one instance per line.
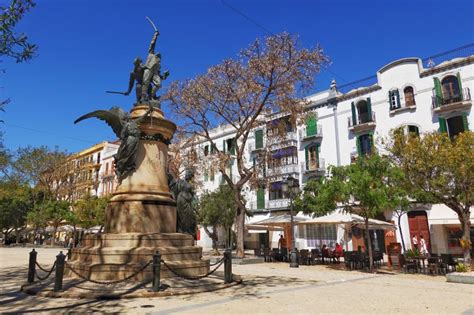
(414,240)
(423,247)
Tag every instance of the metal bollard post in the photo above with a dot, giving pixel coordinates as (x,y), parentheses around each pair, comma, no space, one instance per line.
(32,266)
(228,265)
(156,271)
(58,280)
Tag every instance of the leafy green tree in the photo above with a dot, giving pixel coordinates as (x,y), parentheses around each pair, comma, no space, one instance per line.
(90,211)
(216,209)
(440,170)
(367,188)
(12,44)
(56,211)
(15,201)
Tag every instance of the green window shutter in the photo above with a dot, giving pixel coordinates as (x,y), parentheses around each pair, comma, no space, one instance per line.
(460,84)
(306,157)
(258,139)
(206,177)
(311,126)
(371,142)
(442,125)
(397,95)
(438,92)
(465,123)
(212,176)
(261,198)
(359,150)
(354,121)
(369,109)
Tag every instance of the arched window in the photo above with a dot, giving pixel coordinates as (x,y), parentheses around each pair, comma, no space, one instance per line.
(363,112)
(409,96)
(413,130)
(450,86)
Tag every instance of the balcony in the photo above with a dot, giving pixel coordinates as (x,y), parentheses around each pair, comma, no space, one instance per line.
(282,170)
(278,204)
(453,103)
(304,136)
(290,139)
(364,123)
(314,167)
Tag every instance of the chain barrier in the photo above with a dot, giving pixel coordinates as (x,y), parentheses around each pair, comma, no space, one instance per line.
(190,277)
(45,270)
(110,282)
(49,272)
(217,262)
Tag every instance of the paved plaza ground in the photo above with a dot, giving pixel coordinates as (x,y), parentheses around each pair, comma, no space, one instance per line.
(267,288)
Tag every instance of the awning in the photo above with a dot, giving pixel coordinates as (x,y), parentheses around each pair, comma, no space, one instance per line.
(340,217)
(253,228)
(280,220)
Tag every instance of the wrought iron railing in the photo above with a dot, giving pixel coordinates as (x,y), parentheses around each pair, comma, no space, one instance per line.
(363,118)
(304,132)
(441,100)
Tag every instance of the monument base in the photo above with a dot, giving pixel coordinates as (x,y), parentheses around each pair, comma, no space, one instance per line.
(117,256)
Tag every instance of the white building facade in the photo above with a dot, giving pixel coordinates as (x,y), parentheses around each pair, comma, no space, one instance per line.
(345,125)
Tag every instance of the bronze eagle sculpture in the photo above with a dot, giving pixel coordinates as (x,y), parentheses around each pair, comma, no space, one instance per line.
(126,129)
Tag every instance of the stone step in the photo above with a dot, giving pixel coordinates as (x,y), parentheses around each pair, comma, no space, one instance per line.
(133,240)
(102,271)
(121,255)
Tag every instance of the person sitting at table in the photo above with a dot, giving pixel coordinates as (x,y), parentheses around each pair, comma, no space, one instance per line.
(324,252)
(338,252)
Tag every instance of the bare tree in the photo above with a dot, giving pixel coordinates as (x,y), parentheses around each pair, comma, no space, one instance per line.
(273,75)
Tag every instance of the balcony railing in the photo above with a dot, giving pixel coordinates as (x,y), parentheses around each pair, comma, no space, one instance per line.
(283,169)
(439,101)
(363,118)
(314,166)
(281,141)
(278,203)
(304,134)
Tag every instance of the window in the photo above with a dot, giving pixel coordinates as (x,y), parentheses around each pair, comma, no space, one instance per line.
(394,98)
(106,168)
(364,112)
(206,150)
(364,144)
(311,127)
(211,175)
(206,176)
(450,87)
(454,235)
(413,130)
(456,125)
(275,191)
(409,96)
(98,158)
(258,139)
(312,159)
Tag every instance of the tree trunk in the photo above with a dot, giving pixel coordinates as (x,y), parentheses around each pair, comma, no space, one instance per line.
(466,237)
(213,237)
(369,245)
(53,239)
(400,230)
(240,226)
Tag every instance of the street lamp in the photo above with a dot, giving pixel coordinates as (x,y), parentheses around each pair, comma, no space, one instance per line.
(291,187)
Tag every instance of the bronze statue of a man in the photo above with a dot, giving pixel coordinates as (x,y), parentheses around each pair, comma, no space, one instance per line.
(147,76)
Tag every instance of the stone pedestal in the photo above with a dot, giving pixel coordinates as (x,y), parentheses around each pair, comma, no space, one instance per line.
(141,218)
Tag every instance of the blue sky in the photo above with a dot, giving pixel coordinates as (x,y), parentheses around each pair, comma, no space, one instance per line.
(87,47)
